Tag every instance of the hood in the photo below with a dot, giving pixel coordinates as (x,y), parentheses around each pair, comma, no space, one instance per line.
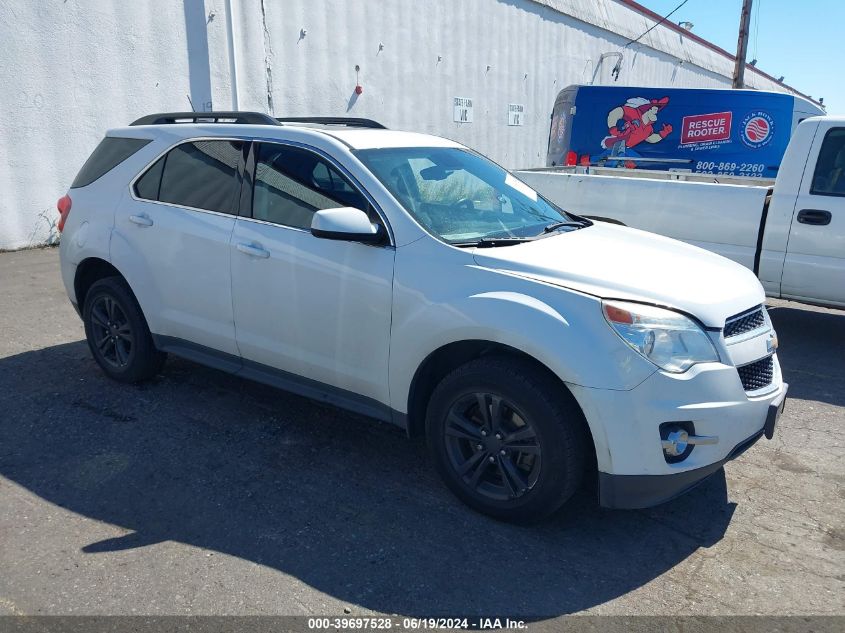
(616,262)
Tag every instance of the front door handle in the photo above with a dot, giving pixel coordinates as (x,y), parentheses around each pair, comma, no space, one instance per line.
(816,217)
(253,250)
(141,220)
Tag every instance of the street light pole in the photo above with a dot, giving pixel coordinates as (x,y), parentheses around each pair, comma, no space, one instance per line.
(742,45)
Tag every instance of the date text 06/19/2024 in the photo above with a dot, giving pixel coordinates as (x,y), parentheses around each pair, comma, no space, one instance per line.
(414,624)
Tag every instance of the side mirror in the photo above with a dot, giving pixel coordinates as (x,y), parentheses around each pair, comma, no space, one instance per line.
(345,223)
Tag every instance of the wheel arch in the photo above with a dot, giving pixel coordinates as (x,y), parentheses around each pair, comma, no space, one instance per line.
(89,271)
(449,357)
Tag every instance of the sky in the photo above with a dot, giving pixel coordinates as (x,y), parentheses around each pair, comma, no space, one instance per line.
(800,40)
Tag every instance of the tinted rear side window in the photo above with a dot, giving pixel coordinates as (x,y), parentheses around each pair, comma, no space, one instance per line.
(111,151)
(202,175)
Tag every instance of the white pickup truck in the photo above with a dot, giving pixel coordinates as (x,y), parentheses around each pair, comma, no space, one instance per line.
(792,235)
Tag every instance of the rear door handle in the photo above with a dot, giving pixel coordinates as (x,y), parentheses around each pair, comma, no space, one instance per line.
(253,250)
(816,217)
(141,220)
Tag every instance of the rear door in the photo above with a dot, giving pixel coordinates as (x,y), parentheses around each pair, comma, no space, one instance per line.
(814,269)
(171,241)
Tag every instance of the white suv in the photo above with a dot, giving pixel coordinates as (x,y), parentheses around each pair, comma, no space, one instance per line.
(408,278)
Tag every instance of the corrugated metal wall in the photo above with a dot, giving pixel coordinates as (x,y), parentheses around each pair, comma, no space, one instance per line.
(73,69)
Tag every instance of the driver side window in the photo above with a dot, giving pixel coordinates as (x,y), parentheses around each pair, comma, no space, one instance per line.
(292,183)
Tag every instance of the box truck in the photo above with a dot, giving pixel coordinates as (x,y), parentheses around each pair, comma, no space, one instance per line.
(723,132)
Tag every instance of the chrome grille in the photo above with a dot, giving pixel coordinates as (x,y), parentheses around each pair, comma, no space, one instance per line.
(745,322)
(758,374)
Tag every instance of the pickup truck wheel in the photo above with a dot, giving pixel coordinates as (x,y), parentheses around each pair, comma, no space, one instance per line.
(505,439)
(117,332)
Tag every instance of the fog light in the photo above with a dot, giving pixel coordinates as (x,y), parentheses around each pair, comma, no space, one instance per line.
(677,439)
(676,444)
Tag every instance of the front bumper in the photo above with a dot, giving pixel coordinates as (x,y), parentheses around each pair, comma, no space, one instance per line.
(633,471)
(643,491)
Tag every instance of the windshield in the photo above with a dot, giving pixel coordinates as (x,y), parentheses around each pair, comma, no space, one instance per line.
(462,197)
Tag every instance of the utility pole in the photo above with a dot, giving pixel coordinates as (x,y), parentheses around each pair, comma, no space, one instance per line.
(742,45)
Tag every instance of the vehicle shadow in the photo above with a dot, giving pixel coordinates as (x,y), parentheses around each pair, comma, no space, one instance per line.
(346,505)
(811,352)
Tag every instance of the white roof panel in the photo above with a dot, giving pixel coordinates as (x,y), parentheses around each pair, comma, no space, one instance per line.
(356,138)
(368,138)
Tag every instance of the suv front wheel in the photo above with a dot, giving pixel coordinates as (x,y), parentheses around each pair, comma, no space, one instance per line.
(117,332)
(506,438)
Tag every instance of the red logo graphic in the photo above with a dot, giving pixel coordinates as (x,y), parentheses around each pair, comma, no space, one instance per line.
(702,128)
(757,129)
(630,124)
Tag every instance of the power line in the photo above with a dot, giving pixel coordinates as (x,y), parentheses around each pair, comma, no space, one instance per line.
(656,24)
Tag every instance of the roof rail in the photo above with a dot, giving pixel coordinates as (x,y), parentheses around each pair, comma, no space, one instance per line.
(163,118)
(333,120)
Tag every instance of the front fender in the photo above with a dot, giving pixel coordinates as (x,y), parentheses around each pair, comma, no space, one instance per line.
(562,329)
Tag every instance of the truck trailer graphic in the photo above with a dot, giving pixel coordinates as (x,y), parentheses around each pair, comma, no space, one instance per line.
(728,132)
(633,123)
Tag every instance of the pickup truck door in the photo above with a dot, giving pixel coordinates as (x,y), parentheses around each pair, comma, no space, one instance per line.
(814,267)
(311,315)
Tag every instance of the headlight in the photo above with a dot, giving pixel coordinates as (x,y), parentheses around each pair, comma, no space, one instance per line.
(668,339)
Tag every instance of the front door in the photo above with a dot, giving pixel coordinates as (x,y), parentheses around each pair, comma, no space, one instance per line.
(309,307)
(814,268)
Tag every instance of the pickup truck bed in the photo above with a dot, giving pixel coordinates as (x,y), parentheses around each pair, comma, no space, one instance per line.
(678,209)
(792,235)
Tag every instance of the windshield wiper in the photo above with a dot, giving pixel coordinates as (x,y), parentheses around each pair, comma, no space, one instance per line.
(492,242)
(559,225)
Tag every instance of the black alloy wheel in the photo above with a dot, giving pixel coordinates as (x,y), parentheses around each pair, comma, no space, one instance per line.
(507,437)
(112,331)
(492,446)
(117,332)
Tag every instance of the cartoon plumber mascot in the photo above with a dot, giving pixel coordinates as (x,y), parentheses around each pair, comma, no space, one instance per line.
(631,124)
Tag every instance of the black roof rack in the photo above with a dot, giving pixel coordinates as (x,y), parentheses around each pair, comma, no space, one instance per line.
(333,120)
(252,118)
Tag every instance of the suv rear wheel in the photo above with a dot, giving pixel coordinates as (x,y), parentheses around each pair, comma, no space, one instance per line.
(117,332)
(505,439)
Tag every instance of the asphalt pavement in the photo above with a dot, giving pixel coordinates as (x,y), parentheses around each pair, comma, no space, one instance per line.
(202,493)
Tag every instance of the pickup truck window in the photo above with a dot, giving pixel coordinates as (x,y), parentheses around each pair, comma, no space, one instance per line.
(292,183)
(829,176)
(460,196)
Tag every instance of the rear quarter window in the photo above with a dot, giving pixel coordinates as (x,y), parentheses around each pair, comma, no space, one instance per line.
(148,184)
(111,151)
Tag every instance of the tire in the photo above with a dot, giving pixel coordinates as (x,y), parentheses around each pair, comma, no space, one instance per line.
(538,462)
(117,332)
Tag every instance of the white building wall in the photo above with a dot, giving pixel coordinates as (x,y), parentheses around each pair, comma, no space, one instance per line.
(73,69)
